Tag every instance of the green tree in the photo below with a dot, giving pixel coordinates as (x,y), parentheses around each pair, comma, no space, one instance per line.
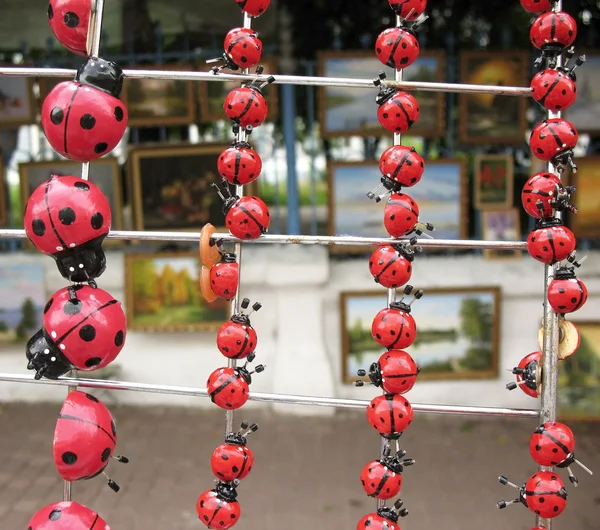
(3,327)
(476,324)
(28,318)
(582,368)
(146,294)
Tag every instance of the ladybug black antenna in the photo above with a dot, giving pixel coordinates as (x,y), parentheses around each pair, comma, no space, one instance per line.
(390,185)
(398,508)
(257,369)
(417,296)
(112,484)
(122,459)
(505,482)
(219,191)
(576,264)
(361,383)
(247,429)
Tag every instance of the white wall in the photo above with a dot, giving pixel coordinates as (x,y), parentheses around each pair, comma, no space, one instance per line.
(299,327)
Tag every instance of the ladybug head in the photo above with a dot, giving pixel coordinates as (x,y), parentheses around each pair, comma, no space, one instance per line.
(530,371)
(243,317)
(393,513)
(45,358)
(83,263)
(226,491)
(101,74)
(412,249)
(548,222)
(401,305)
(228,257)
(241,144)
(567,272)
(397,462)
(247,374)
(239,438)
(385,92)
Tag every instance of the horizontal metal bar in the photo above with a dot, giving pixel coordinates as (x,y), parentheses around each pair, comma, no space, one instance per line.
(267,398)
(194,237)
(282,80)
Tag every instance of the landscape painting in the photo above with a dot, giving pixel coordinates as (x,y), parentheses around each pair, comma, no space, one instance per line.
(163,294)
(584,114)
(22,299)
(586,223)
(457,333)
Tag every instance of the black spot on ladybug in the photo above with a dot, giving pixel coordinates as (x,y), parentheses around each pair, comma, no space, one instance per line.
(50,12)
(72,307)
(87,122)
(83,186)
(119,338)
(97,221)
(55,515)
(39,227)
(232,516)
(100,148)
(93,361)
(105,454)
(555,508)
(69,458)
(71,19)
(205,517)
(235,469)
(67,216)
(57,115)
(119,114)
(92,398)
(87,333)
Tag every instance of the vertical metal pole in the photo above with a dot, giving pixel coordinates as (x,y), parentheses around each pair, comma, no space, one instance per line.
(310,103)
(289,138)
(551,336)
(235,303)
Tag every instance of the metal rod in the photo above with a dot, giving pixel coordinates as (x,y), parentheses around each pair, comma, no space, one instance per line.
(262,397)
(458,88)
(193,237)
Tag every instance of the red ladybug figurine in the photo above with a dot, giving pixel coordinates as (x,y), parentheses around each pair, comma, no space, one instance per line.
(247,106)
(391,266)
(397,48)
(553,444)
(536,6)
(66,515)
(551,241)
(390,415)
(408,9)
(69,21)
(544,494)
(245,217)
(254,8)
(384,519)
(553,140)
(401,216)
(566,292)
(395,372)
(233,460)
(225,276)
(218,508)
(83,119)
(239,164)
(236,338)
(228,387)
(394,327)
(544,194)
(243,47)
(398,111)
(400,166)
(68,218)
(529,374)
(82,328)
(551,33)
(85,438)
(382,478)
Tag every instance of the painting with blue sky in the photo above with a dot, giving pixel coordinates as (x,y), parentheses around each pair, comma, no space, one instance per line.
(457,333)
(439,195)
(352,111)
(22,299)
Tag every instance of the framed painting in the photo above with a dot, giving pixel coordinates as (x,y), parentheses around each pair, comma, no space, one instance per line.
(159,102)
(490,118)
(211,95)
(584,114)
(350,112)
(586,222)
(494,181)
(501,225)
(458,333)
(22,301)
(17,102)
(579,377)
(171,187)
(442,196)
(163,294)
(105,173)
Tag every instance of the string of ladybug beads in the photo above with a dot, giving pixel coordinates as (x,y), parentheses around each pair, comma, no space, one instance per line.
(83,327)
(391,266)
(247,218)
(552,444)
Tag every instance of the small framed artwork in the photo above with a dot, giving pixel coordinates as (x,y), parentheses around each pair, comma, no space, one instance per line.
(458,333)
(494,181)
(159,102)
(22,301)
(490,118)
(17,102)
(171,187)
(211,95)
(163,294)
(584,114)
(501,225)
(105,173)
(586,222)
(442,196)
(579,377)
(350,112)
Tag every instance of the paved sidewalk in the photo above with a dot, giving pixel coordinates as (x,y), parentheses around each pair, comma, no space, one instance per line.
(305,476)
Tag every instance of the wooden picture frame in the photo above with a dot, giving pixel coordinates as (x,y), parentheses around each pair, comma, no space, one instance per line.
(584,114)
(501,225)
(165,192)
(352,213)
(430,66)
(442,308)
(104,172)
(489,118)
(586,222)
(159,102)
(18,105)
(579,377)
(211,95)
(493,182)
(163,294)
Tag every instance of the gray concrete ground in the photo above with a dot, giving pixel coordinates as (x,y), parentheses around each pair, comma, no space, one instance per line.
(305,476)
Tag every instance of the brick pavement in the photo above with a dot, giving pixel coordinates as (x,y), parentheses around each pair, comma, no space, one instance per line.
(305,476)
